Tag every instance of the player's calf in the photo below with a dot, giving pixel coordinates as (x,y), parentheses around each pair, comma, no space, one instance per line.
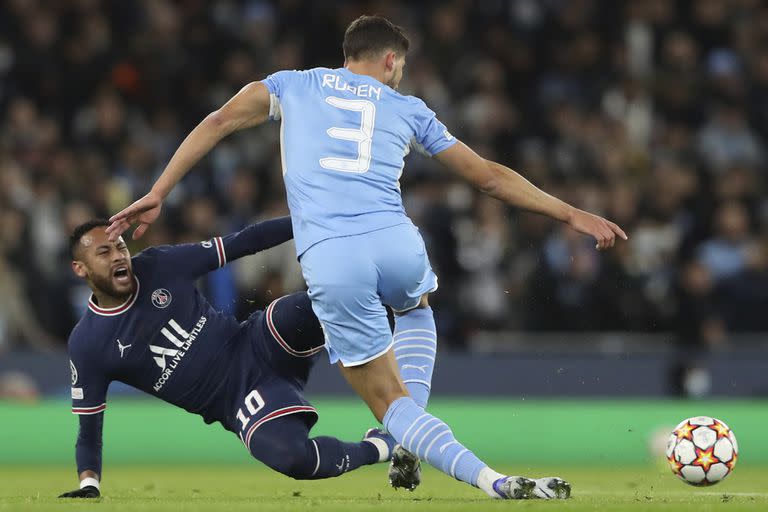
(284,445)
(292,458)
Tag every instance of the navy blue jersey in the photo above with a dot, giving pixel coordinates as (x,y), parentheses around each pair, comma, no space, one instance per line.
(166,339)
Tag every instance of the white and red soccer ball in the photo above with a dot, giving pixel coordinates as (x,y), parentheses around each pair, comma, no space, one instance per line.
(702,450)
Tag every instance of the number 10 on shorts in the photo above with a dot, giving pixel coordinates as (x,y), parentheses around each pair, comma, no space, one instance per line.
(253,404)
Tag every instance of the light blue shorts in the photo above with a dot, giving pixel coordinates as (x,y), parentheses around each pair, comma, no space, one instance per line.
(352,278)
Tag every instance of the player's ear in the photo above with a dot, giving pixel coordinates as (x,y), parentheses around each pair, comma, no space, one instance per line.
(78,267)
(389,60)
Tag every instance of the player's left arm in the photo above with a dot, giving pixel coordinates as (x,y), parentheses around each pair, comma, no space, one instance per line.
(503,183)
(194,260)
(249,107)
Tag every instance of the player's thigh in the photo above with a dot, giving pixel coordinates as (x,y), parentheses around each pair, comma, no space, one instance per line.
(343,287)
(405,272)
(266,401)
(292,335)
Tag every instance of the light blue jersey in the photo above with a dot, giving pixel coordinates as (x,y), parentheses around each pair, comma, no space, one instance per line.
(343,140)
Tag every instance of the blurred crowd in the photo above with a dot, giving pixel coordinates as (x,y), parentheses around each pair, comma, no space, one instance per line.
(653,113)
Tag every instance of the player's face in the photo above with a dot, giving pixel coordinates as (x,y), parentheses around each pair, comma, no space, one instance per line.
(105,265)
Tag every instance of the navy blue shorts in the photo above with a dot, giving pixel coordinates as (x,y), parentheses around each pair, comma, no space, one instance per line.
(287,339)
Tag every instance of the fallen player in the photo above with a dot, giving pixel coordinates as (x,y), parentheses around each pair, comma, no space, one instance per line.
(149,327)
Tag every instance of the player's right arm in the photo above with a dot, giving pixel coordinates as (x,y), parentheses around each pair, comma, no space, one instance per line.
(89,400)
(503,183)
(249,107)
(88,456)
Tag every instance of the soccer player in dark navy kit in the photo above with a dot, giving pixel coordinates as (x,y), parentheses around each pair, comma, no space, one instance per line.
(148,326)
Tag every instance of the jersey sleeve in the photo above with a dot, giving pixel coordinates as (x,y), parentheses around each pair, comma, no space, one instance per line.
(431,135)
(89,443)
(276,84)
(89,382)
(194,260)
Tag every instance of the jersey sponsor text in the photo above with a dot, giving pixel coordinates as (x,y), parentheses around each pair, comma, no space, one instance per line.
(177,354)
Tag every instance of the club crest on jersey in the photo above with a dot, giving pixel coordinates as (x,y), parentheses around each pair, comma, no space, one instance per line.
(161,298)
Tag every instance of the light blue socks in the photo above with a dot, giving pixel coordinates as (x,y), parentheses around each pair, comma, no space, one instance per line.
(415,346)
(432,440)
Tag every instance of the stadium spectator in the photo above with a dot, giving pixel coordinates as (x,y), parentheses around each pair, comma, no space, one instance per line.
(655,113)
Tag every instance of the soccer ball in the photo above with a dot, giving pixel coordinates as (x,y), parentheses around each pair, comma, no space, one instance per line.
(702,450)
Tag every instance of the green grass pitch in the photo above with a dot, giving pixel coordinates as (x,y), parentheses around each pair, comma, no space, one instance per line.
(253,487)
(160,458)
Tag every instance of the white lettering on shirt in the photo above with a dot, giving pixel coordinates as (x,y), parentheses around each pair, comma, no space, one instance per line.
(363,90)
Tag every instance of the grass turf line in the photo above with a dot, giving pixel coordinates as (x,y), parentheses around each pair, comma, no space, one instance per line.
(236,488)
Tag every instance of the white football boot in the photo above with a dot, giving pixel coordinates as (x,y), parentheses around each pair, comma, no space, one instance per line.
(551,488)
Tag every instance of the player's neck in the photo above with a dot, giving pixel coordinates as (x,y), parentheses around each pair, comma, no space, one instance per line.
(362,67)
(106,301)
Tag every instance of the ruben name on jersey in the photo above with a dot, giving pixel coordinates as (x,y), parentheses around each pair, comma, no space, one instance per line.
(343,139)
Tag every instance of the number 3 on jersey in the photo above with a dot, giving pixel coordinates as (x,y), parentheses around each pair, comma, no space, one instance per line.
(362,135)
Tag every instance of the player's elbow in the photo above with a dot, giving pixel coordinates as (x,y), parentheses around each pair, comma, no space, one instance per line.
(488,186)
(219,120)
(486,178)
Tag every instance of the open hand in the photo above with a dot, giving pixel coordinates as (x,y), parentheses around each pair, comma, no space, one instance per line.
(604,231)
(145,211)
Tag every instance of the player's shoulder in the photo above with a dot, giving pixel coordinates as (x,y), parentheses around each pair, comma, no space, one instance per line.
(76,334)
(413,104)
(289,74)
(313,76)
(150,254)
(417,104)
(144,261)
(412,108)
(87,329)
(317,71)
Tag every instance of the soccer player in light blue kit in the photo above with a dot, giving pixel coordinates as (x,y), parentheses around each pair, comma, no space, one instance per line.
(344,135)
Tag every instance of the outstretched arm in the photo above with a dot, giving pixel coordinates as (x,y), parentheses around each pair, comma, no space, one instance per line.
(505,184)
(88,456)
(247,108)
(194,260)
